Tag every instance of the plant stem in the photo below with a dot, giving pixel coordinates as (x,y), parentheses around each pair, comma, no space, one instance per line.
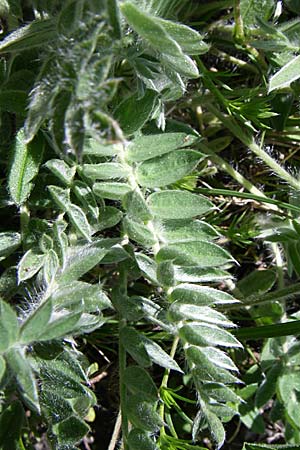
(248,140)
(122,363)
(239,27)
(24,220)
(165,380)
(260,199)
(280,295)
(223,165)
(116,432)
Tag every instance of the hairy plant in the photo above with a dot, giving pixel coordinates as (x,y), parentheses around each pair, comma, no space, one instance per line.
(115,119)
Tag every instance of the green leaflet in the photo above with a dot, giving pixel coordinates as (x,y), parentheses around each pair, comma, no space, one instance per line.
(41,98)
(70,431)
(36,323)
(171,231)
(219,358)
(136,206)
(2,369)
(288,386)
(105,171)
(134,345)
(142,414)
(139,439)
(198,275)
(35,34)
(268,387)
(216,428)
(76,215)
(197,333)
(133,112)
(9,241)
(112,191)
(12,419)
(147,147)
(148,27)
(159,356)
(190,41)
(200,295)
(109,217)
(167,169)
(114,17)
(79,221)
(219,392)
(183,64)
(29,265)
(182,311)
(138,232)
(155,32)
(60,169)
(286,75)
(95,148)
(195,253)
(82,258)
(24,375)
(80,296)
(87,198)
(24,166)
(205,368)
(138,381)
(59,328)
(147,266)
(253,9)
(69,17)
(144,350)
(9,327)
(178,204)
(50,266)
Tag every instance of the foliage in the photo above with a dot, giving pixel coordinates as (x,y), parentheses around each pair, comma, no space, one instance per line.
(119,118)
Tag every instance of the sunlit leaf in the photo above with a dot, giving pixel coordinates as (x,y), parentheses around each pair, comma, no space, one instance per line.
(24,166)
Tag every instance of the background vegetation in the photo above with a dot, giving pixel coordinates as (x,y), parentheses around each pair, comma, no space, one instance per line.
(149,242)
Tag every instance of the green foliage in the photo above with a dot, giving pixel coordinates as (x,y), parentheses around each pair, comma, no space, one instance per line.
(117,118)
